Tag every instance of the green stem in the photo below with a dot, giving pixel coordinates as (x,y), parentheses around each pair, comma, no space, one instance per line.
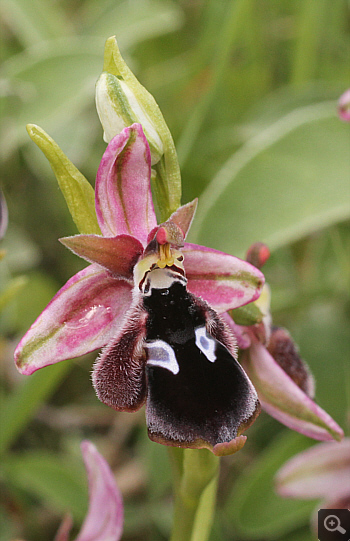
(205,513)
(195,494)
(20,407)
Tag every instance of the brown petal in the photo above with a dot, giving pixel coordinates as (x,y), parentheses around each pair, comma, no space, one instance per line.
(116,254)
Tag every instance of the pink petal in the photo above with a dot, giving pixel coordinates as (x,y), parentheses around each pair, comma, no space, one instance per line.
(344,106)
(82,316)
(123,193)
(116,254)
(3,215)
(184,215)
(64,530)
(322,471)
(104,520)
(224,281)
(284,400)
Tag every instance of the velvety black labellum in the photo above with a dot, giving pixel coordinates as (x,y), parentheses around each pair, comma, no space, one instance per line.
(197,391)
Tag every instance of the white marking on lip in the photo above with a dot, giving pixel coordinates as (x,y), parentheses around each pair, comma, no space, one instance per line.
(162,354)
(205,343)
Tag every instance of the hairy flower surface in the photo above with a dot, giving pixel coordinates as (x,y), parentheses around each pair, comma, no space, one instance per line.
(97,306)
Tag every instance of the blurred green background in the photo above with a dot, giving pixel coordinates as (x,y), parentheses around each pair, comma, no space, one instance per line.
(249,90)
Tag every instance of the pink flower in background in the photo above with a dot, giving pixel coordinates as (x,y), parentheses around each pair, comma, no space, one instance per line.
(3,215)
(105,516)
(282,379)
(344,106)
(323,472)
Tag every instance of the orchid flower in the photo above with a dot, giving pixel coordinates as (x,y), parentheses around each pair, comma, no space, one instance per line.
(344,106)
(282,379)
(105,516)
(3,215)
(98,306)
(323,472)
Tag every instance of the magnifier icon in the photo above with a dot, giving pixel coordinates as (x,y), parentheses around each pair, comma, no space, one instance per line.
(332,524)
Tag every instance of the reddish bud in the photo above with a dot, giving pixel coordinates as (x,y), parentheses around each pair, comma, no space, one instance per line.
(258,254)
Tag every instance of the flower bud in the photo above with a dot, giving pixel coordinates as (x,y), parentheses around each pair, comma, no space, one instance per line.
(118,107)
(286,354)
(122,101)
(258,254)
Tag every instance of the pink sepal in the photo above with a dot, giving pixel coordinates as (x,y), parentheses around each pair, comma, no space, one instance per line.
(323,471)
(104,520)
(184,215)
(241,333)
(223,280)
(63,533)
(281,398)
(123,192)
(82,316)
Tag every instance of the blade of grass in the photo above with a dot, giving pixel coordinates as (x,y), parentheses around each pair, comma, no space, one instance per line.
(20,407)
(36,20)
(309,37)
(229,30)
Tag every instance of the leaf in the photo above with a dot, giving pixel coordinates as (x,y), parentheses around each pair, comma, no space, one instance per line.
(132,22)
(8,528)
(35,20)
(49,84)
(323,338)
(250,314)
(78,192)
(18,409)
(283,184)
(53,81)
(37,293)
(55,480)
(11,290)
(254,508)
(158,467)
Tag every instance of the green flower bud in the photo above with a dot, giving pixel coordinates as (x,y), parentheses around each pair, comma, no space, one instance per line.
(121,101)
(118,107)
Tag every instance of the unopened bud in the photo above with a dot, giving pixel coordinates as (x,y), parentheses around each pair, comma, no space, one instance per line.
(286,354)
(258,254)
(118,107)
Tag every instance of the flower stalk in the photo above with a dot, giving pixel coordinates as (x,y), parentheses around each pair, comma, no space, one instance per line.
(195,494)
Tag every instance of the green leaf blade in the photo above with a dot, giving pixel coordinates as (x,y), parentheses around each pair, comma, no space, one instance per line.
(289,181)
(254,508)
